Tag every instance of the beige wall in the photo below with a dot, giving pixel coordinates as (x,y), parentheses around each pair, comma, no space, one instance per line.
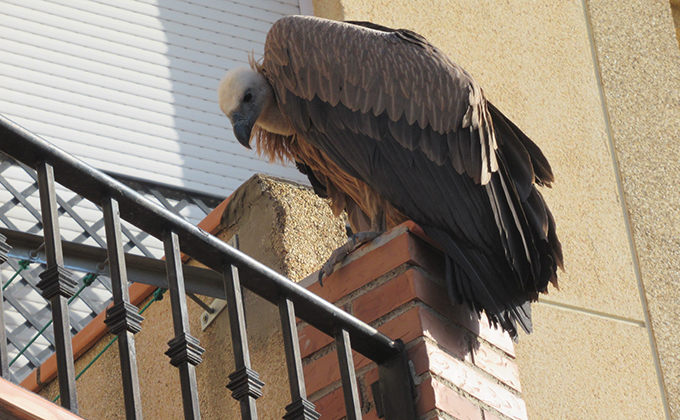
(675,10)
(595,84)
(639,64)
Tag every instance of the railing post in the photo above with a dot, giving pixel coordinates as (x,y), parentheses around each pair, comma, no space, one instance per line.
(185,351)
(122,318)
(4,357)
(57,285)
(348,376)
(396,389)
(300,408)
(245,383)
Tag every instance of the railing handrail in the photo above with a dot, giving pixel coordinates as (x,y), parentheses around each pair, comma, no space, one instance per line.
(94,185)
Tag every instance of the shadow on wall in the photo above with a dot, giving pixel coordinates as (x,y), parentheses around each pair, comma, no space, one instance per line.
(203,42)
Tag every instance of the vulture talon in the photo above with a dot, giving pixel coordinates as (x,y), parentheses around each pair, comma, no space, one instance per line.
(353,243)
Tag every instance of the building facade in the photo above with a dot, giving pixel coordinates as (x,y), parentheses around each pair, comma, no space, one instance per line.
(596,84)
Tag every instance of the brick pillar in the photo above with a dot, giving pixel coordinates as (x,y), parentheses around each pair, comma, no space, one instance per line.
(464,368)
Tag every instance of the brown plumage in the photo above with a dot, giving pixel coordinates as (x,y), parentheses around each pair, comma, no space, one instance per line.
(382,121)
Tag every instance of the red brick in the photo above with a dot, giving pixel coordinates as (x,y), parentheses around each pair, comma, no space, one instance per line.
(386,298)
(433,394)
(406,326)
(414,323)
(325,370)
(404,248)
(489,416)
(437,297)
(351,277)
(496,336)
(312,340)
(409,286)
(371,415)
(371,376)
(426,256)
(502,368)
(427,357)
(419,322)
(419,357)
(332,405)
(413,285)
(365,269)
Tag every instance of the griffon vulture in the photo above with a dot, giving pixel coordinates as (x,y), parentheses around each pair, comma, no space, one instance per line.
(389,128)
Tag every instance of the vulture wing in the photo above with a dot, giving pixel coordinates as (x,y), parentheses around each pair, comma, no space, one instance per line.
(393,111)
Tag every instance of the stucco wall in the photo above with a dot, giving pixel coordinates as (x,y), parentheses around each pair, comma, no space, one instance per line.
(594,84)
(675,10)
(639,63)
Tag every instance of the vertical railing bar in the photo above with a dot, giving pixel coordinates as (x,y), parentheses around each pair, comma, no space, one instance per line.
(347,375)
(395,390)
(300,408)
(122,318)
(57,285)
(245,383)
(4,355)
(185,351)
(53,252)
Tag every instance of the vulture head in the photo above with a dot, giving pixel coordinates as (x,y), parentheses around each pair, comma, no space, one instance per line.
(247,98)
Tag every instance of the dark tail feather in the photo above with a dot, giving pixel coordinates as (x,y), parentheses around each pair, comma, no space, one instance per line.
(541,167)
(479,282)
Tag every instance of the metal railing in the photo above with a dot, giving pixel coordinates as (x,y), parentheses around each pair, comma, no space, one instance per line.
(237,269)
(30,340)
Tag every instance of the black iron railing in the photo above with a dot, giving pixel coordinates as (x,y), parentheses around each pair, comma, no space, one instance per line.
(30,339)
(237,269)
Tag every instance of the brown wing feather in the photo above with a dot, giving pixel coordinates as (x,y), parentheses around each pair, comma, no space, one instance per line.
(305,55)
(359,122)
(346,193)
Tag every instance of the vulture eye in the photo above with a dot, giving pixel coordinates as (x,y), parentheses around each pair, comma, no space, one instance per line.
(248,97)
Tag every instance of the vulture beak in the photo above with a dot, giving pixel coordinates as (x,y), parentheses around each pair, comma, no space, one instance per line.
(242,128)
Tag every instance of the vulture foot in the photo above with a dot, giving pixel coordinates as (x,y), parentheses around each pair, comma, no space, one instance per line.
(354,242)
